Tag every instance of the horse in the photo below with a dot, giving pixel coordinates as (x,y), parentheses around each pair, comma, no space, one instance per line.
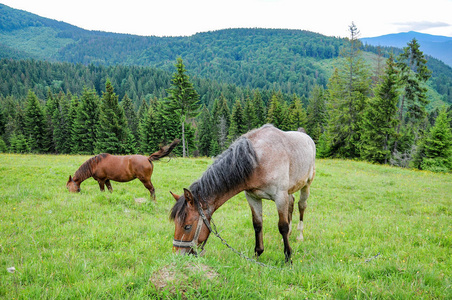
(105,167)
(266,163)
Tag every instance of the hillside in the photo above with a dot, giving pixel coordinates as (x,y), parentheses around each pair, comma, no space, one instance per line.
(439,47)
(293,61)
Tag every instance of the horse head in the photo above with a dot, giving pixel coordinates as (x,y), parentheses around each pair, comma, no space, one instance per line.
(191,224)
(72,186)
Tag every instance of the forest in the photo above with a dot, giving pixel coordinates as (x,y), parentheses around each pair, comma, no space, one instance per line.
(382,119)
(86,92)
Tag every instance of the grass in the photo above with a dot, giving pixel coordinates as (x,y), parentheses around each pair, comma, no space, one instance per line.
(370,232)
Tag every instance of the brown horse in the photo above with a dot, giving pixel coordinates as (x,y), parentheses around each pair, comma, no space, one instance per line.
(105,167)
(266,163)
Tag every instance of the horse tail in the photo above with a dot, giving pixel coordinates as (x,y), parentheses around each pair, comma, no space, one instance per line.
(164,151)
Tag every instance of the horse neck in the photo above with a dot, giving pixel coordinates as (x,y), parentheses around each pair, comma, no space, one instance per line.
(82,174)
(216,201)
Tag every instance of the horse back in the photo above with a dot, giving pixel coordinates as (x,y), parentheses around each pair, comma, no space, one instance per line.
(286,159)
(124,168)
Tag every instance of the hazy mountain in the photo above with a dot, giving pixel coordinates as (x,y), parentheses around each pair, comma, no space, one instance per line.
(439,47)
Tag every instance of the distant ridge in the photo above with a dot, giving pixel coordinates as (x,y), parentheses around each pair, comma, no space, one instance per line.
(437,46)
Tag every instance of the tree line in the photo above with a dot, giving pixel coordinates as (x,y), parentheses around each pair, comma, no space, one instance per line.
(381,119)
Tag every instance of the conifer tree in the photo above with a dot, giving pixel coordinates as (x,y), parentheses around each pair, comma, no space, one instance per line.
(413,73)
(131,115)
(148,131)
(276,113)
(296,115)
(86,122)
(438,146)
(220,124)
(183,100)
(348,90)
(50,107)
(260,110)
(238,125)
(249,115)
(62,125)
(316,113)
(380,118)
(205,134)
(113,135)
(35,125)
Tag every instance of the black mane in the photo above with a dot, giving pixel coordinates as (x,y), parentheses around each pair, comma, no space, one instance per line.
(230,169)
(86,169)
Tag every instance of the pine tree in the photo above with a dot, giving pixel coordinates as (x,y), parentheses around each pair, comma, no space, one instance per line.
(249,115)
(296,115)
(131,116)
(86,122)
(205,134)
(348,90)
(413,73)
(276,113)
(113,135)
(35,125)
(62,125)
(183,100)
(438,146)
(316,113)
(260,110)
(50,107)
(220,125)
(238,125)
(148,131)
(380,118)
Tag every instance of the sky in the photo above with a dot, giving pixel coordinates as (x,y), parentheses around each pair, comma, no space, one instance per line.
(188,17)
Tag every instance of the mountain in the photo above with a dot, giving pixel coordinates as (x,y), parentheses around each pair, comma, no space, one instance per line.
(439,47)
(291,61)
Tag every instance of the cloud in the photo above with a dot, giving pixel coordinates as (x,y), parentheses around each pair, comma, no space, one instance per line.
(420,25)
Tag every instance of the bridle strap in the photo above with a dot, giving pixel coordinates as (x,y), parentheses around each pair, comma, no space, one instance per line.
(194,242)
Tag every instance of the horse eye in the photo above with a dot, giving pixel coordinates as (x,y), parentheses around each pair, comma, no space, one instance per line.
(187,227)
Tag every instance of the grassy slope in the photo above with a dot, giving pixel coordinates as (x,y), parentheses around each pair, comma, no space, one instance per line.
(102,245)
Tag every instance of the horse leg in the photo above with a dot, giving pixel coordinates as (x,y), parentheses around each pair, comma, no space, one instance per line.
(282,204)
(101,184)
(291,203)
(302,204)
(256,210)
(107,182)
(150,187)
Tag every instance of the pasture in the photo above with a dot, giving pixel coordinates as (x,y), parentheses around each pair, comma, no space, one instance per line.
(370,232)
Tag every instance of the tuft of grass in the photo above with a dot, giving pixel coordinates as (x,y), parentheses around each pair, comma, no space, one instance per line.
(371,231)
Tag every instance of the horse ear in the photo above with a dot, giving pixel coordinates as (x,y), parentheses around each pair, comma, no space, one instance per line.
(175,196)
(70,178)
(188,197)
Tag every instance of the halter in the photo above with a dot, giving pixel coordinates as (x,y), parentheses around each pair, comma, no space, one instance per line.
(193,244)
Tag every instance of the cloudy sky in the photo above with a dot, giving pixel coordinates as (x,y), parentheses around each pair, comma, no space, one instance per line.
(187,17)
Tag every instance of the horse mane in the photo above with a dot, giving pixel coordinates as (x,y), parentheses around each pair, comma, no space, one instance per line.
(86,169)
(229,170)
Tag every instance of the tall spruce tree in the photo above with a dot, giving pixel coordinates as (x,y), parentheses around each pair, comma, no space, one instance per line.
(131,115)
(348,90)
(86,122)
(380,117)
(205,134)
(296,115)
(238,125)
(35,125)
(260,110)
(438,146)
(183,100)
(316,113)
(413,73)
(249,114)
(62,125)
(276,113)
(113,134)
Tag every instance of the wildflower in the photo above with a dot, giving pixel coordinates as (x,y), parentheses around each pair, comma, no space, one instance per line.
(11,270)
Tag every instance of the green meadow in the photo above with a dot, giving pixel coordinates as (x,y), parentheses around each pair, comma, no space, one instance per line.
(371,232)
